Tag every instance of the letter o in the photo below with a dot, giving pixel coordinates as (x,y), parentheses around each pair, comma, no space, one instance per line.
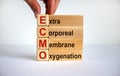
(40,55)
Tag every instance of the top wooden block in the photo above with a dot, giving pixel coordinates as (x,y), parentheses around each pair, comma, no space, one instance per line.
(60,20)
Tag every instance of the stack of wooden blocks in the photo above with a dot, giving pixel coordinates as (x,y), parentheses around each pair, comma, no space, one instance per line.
(59,37)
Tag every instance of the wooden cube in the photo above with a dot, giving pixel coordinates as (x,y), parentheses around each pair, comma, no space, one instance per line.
(42,31)
(43,20)
(42,43)
(42,55)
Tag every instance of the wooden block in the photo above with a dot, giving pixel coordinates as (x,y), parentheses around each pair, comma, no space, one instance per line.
(59,37)
(66,32)
(65,44)
(42,43)
(42,55)
(43,19)
(65,55)
(60,31)
(63,20)
(42,31)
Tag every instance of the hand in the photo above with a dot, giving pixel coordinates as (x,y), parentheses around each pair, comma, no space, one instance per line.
(50,5)
(34,5)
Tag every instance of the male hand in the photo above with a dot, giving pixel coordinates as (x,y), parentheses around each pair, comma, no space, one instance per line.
(50,5)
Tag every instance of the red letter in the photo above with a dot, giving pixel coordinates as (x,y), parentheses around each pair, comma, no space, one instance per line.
(41,56)
(41,31)
(42,19)
(42,44)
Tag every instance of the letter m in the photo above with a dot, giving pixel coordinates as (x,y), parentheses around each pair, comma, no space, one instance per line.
(42,43)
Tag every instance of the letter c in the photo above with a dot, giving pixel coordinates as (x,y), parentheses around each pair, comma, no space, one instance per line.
(42,33)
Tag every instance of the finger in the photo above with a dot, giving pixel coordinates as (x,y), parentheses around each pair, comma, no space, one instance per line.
(34,5)
(35,14)
(45,1)
(36,9)
(50,9)
(56,4)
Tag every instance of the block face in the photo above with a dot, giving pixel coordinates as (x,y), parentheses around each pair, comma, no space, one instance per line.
(42,55)
(61,32)
(66,32)
(42,31)
(65,55)
(42,43)
(65,44)
(63,20)
(43,20)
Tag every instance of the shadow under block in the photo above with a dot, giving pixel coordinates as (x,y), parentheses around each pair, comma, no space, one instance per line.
(59,37)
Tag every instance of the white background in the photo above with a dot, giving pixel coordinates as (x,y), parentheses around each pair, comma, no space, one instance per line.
(101,21)
(101,52)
